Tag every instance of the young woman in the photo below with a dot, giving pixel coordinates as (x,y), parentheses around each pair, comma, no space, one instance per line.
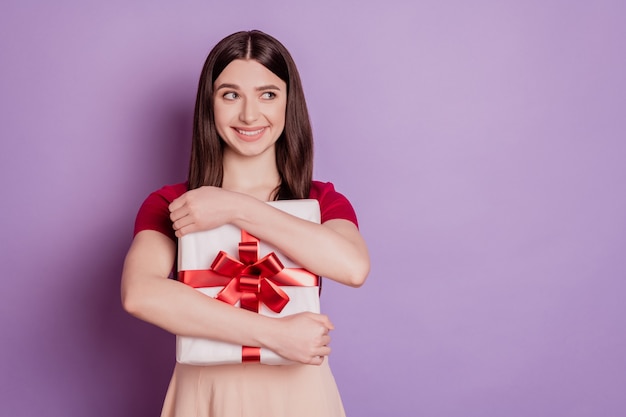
(252,143)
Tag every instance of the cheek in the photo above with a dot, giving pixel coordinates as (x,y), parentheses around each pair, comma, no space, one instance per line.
(220,125)
(221,119)
(279,115)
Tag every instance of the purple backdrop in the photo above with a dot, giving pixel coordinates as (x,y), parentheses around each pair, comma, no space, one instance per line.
(482,144)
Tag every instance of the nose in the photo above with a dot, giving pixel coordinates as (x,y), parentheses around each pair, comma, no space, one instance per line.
(249,111)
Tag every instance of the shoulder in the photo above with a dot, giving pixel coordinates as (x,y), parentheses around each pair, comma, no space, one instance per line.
(324,191)
(154,212)
(168,193)
(321,189)
(333,204)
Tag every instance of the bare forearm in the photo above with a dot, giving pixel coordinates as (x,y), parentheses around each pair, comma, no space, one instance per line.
(148,294)
(185,311)
(334,250)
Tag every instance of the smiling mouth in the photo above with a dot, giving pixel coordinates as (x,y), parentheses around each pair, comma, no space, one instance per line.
(250,132)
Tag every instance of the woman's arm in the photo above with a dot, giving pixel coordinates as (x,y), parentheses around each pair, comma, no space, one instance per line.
(148,294)
(334,249)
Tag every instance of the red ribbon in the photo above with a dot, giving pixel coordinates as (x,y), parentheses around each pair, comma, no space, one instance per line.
(250,281)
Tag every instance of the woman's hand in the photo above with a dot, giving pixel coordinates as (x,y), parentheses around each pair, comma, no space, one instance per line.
(204,208)
(303,338)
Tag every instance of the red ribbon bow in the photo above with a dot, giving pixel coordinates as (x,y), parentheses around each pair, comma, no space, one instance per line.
(250,280)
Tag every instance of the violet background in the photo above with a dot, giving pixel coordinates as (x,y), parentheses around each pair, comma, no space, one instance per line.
(481,142)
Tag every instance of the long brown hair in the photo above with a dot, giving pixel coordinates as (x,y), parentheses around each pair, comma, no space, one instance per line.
(294,147)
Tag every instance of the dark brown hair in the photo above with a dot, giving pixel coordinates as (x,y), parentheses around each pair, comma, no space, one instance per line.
(294,147)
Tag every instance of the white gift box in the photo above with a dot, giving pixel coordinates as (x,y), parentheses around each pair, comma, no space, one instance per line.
(197,252)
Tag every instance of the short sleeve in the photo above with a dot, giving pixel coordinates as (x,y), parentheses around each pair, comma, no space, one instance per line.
(154,213)
(333,205)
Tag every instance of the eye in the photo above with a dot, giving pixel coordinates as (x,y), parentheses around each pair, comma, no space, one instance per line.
(231,95)
(268,95)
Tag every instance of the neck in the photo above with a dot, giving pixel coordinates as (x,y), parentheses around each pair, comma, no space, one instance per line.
(256,176)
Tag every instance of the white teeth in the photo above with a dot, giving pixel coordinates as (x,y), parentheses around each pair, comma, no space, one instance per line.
(250,133)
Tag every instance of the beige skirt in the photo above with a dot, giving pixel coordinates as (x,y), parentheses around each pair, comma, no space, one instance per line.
(253,390)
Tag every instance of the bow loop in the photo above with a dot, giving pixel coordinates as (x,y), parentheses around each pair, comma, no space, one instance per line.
(249,252)
(250,278)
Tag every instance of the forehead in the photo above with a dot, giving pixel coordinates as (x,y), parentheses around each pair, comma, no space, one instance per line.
(248,73)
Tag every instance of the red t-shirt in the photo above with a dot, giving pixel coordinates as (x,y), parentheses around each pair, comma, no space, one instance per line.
(155,215)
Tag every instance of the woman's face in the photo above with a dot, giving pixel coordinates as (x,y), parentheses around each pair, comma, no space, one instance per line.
(249,103)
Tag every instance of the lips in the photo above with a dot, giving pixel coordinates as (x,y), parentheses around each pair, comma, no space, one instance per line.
(249,134)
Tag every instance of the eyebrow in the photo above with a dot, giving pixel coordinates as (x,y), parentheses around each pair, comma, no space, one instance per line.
(236,87)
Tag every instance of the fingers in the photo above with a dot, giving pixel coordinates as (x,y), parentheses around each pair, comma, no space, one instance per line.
(180,217)
(329,324)
(316,360)
(319,359)
(182,224)
(177,222)
(182,206)
(178,203)
(177,215)
(326,325)
(182,231)
(322,349)
(324,320)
